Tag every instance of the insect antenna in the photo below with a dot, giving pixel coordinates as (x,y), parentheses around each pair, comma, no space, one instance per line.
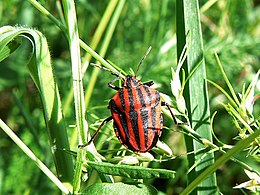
(143,58)
(106,69)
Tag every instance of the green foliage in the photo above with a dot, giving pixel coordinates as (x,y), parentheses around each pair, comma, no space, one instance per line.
(108,188)
(134,172)
(120,32)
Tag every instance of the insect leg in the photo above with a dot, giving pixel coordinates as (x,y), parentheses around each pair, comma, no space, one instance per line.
(101,67)
(169,108)
(110,84)
(95,134)
(148,83)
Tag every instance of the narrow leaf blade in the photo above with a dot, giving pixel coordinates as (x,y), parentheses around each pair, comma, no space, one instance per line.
(134,172)
(195,92)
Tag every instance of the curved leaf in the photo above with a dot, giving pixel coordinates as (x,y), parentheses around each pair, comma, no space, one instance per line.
(41,71)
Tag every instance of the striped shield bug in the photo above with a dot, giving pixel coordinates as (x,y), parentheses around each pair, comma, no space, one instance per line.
(136,113)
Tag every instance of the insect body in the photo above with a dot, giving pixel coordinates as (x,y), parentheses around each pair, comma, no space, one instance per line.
(136,111)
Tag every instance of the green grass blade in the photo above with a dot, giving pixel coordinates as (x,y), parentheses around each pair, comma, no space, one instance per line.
(195,92)
(45,12)
(81,123)
(93,44)
(100,59)
(107,39)
(230,99)
(84,46)
(227,82)
(73,38)
(100,31)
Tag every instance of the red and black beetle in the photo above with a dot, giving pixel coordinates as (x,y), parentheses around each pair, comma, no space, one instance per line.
(136,112)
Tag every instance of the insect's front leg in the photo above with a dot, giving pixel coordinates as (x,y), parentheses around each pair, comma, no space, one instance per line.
(110,84)
(148,83)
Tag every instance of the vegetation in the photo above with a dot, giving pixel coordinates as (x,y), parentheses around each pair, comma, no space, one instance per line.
(204,61)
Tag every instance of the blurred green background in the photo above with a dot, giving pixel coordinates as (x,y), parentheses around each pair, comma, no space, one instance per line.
(231,28)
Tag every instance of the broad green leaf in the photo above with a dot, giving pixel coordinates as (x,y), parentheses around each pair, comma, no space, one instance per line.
(134,172)
(120,189)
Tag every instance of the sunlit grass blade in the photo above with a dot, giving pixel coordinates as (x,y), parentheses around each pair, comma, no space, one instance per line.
(195,92)
(103,50)
(227,81)
(45,12)
(224,92)
(81,123)
(93,44)
(84,46)
(73,39)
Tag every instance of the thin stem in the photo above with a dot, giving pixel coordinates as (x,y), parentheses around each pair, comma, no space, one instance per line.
(32,156)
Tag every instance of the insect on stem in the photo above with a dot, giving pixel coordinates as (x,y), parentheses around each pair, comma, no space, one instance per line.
(136,112)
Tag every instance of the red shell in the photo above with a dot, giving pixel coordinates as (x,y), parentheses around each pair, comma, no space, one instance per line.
(136,111)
